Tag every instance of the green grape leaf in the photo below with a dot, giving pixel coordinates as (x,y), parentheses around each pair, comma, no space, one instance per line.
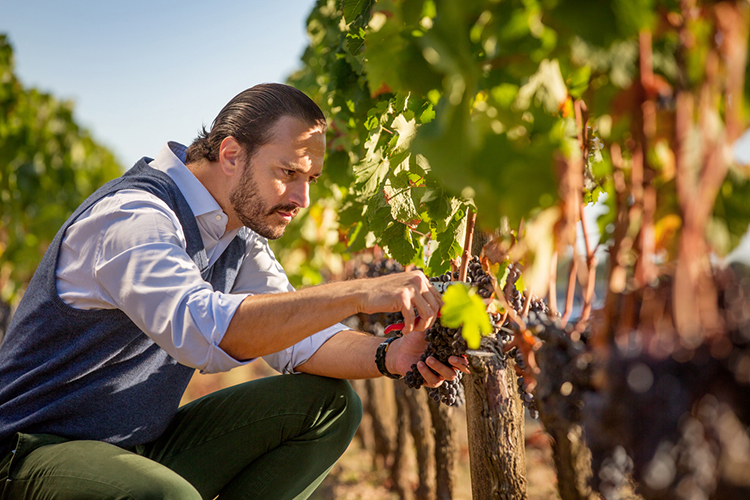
(384,49)
(406,130)
(399,244)
(463,307)
(503,270)
(370,173)
(441,207)
(399,194)
(356,237)
(449,241)
(354,8)
(520,284)
(378,213)
(354,43)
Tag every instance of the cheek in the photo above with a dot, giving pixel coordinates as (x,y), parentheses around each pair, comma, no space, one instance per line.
(279,189)
(270,187)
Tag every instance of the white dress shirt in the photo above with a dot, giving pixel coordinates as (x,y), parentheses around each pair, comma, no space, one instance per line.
(128,252)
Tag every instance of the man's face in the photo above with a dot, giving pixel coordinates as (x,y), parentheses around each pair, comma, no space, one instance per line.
(275,182)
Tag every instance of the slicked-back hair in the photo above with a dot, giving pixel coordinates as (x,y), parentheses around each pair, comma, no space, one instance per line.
(249,117)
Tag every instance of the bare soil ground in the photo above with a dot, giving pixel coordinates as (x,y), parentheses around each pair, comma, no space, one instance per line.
(354,478)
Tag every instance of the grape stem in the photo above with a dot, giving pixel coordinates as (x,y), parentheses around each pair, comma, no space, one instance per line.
(526,306)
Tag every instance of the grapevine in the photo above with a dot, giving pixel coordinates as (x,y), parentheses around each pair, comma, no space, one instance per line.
(444,342)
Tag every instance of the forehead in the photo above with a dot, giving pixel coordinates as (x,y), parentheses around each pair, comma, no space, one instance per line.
(297,137)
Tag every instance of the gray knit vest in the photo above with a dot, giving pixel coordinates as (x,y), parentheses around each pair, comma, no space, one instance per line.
(93,374)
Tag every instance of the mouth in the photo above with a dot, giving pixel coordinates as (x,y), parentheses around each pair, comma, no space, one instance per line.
(287,216)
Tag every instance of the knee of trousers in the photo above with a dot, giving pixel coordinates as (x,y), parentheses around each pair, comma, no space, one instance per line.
(173,488)
(92,470)
(353,406)
(345,401)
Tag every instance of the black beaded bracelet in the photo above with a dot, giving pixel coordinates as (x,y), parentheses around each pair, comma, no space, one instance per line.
(380,358)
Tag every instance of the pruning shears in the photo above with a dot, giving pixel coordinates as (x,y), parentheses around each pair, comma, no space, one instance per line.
(397,327)
(440,286)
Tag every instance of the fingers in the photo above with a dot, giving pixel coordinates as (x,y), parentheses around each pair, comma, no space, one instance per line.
(460,363)
(429,376)
(407,311)
(427,313)
(434,295)
(435,372)
(422,296)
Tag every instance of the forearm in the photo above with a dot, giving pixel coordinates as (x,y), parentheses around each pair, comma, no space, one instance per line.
(348,355)
(351,355)
(269,323)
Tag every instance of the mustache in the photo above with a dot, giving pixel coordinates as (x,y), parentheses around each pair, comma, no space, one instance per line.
(289,208)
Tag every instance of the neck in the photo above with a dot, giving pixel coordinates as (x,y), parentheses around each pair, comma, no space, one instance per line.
(210,175)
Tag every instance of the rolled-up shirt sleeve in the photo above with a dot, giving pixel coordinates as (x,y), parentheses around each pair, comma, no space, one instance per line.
(261,273)
(137,247)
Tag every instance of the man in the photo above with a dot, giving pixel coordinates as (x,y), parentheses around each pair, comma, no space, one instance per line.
(167,269)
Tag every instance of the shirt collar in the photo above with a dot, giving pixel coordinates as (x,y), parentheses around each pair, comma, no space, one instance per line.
(171,160)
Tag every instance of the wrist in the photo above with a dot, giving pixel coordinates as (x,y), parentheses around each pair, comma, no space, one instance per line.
(385,358)
(390,359)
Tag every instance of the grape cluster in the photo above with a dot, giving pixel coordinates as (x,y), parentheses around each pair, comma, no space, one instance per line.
(450,392)
(516,299)
(526,397)
(442,342)
(477,277)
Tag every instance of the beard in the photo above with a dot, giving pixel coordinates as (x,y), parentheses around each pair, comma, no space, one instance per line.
(253,211)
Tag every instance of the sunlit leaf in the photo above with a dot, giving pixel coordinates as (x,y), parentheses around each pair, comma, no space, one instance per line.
(462,307)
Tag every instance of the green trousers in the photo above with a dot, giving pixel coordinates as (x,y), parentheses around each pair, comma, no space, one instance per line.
(271,438)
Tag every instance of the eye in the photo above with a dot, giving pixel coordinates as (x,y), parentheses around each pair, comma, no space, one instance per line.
(289,172)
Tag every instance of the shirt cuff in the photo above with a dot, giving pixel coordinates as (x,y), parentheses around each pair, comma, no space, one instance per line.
(218,359)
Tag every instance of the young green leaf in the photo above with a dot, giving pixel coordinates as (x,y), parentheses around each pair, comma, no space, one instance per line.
(463,307)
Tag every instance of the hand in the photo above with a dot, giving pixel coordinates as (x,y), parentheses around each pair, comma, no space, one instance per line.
(406,351)
(402,292)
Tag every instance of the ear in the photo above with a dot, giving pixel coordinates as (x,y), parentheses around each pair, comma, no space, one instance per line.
(229,156)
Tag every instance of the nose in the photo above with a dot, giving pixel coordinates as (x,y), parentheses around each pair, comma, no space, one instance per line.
(300,195)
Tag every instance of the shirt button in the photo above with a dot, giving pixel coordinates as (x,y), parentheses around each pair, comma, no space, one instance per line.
(218,217)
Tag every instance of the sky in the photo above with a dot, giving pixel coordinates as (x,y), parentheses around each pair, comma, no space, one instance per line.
(142,73)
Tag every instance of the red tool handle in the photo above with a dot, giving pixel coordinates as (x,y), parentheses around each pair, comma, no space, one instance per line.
(400,326)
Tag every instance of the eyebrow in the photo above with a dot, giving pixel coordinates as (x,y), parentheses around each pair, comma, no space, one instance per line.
(292,166)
